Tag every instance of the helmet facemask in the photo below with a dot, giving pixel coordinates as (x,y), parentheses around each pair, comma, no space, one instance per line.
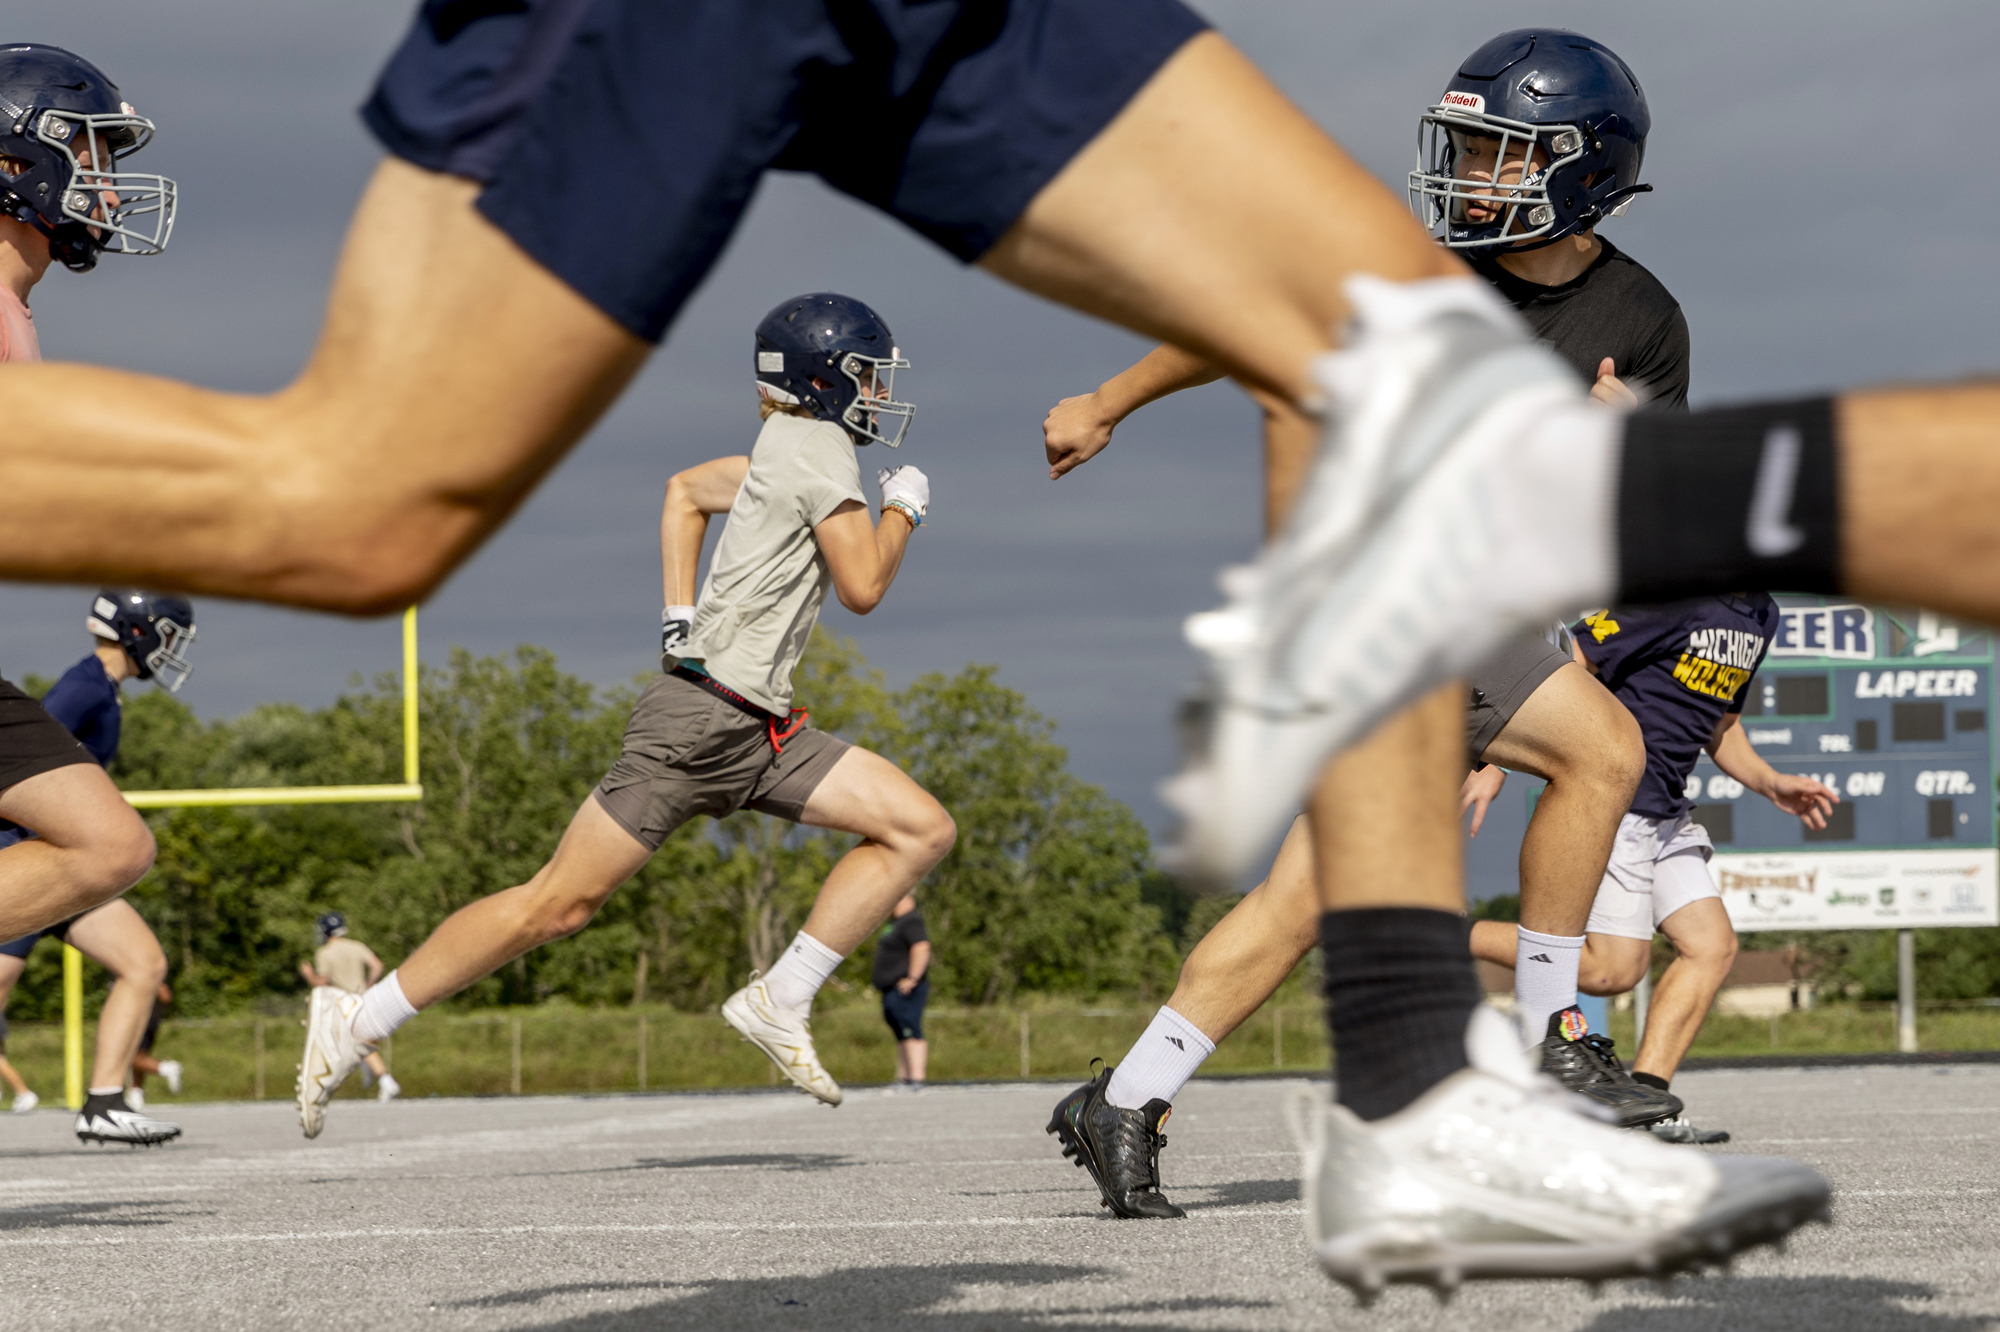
(873,375)
(102,210)
(167,665)
(1531,154)
(1561,182)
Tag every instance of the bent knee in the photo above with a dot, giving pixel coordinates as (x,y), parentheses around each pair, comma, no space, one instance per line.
(122,855)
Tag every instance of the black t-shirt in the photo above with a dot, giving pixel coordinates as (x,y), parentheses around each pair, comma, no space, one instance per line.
(1678,669)
(892,954)
(1613,308)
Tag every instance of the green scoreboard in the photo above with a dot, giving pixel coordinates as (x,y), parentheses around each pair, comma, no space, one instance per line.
(1893,710)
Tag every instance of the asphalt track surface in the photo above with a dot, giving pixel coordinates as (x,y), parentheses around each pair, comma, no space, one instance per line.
(945,1212)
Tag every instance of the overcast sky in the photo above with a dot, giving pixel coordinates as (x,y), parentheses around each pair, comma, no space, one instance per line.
(1825,212)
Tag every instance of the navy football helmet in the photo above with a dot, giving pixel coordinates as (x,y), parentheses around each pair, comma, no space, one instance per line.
(56,111)
(1564,112)
(835,355)
(330,926)
(155,629)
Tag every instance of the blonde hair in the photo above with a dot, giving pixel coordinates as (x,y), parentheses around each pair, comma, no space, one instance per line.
(768,407)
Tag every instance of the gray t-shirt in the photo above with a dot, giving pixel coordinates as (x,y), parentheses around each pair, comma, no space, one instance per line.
(764,589)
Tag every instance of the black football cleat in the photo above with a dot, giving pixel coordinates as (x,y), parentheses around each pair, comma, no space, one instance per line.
(1587,1063)
(1120,1148)
(107,1118)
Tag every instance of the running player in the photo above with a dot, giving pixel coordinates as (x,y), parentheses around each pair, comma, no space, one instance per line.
(62,200)
(351,966)
(1112,155)
(1682,670)
(24,1097)
(717,731)
(138,635)
(144,1064)
(1531,707)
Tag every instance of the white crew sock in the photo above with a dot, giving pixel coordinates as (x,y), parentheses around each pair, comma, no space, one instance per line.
(796,977)
(1544,980)
(1159,1063)
(107,1091)
(383,1009)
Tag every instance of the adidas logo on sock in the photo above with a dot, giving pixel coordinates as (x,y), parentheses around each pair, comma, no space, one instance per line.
(1177,1043)
(1542,957)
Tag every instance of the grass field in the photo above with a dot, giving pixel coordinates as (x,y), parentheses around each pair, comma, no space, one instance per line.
(555,1049)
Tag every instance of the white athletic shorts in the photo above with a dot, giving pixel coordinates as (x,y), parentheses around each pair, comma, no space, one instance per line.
(1657,867)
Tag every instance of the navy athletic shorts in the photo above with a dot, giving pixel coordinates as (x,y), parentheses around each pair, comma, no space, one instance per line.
(619,141)
(24,945)
(905,1012)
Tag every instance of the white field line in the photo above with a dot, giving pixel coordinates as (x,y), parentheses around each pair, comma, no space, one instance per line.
(663,1228)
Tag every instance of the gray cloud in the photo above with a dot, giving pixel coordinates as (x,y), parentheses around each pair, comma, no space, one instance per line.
(1822,212)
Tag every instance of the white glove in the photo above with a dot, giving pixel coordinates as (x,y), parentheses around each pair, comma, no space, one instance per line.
(676,624)
(905,488)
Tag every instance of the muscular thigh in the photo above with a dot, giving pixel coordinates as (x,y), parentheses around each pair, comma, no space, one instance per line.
(1567,710)
(115,936)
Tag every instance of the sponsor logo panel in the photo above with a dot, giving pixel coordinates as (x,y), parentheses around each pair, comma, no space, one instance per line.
(1882,890)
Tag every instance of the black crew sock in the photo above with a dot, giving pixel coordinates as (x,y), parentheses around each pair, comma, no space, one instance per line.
(1648,1080)
(1400,991)
(1741,499)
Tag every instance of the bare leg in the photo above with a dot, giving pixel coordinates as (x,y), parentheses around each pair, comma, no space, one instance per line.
(1706,942)
(902,1061)
(10,972)
(906,833)
(376,1064)
(1211,213)
(1385,814)
(1241,961)
(914,1056)
(1920,481)
(90,847)
(1573,733)
(117,939)
(595,856)
(12,1075)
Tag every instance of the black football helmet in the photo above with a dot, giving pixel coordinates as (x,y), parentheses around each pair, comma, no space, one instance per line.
(842,343)
(1564,110)
(56,109)
(155,629)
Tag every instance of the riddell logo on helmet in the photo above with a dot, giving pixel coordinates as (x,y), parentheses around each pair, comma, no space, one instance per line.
(1464,101)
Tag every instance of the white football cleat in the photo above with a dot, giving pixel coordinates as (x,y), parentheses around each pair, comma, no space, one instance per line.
(331,1053)
(1463,492)
(783,1035)
(135,1097)
(170,1069)
(388,1089)
(1497,1172)
(25,1102)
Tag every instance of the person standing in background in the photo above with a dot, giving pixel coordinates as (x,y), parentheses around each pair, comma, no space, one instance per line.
(348,964)
(143,1062)
(901,973)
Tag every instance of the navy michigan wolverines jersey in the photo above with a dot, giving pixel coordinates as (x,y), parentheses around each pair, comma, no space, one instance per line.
(86,700)
(1678,669)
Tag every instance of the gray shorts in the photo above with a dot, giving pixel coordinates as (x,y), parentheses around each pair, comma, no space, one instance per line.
(1502,683)
(688,752)
(1657,867)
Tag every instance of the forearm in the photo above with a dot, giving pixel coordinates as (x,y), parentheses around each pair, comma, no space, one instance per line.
(892,538)
(1737,758)
(920,961)
(1163,371)
(682,530)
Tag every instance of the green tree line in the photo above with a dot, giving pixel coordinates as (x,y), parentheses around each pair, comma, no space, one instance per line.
(1050,888)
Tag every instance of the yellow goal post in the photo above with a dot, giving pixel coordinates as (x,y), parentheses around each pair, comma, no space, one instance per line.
(384,793)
